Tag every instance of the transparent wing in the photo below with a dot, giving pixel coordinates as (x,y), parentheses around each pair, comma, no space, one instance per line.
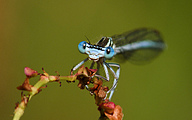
(139,46)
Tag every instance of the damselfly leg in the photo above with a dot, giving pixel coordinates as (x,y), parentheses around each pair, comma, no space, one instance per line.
(106,66)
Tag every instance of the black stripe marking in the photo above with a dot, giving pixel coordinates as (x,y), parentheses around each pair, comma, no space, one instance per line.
(96,47)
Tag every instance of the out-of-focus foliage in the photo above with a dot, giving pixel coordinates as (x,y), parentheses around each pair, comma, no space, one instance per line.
(46,34)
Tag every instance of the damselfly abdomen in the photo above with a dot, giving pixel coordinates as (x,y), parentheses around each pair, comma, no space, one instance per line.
(138,46)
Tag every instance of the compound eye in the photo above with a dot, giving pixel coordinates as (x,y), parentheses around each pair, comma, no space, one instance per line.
(82,46)
(109,53)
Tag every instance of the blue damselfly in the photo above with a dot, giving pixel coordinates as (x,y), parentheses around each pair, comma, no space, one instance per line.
(138,46)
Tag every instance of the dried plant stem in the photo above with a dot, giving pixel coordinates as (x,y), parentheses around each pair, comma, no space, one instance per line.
(85,76)
(33,90)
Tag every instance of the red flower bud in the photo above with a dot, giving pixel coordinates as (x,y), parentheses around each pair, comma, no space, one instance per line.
(30,72)
(108,107)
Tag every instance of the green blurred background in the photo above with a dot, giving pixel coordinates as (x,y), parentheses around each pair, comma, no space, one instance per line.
(45,33)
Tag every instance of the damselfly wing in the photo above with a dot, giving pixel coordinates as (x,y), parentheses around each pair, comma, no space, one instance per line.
(138,46)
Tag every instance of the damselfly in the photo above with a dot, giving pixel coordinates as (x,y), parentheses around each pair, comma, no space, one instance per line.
(138,46)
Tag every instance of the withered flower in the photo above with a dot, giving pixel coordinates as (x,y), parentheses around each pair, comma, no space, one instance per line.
(84,75)
(98,90)
(25,86)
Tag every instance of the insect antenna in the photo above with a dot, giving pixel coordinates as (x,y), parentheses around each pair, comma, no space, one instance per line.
(87,39)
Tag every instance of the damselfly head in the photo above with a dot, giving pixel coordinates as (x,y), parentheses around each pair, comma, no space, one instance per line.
(103,49)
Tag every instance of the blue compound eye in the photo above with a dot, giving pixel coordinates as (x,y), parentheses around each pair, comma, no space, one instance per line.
(82,46)
(109,52)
